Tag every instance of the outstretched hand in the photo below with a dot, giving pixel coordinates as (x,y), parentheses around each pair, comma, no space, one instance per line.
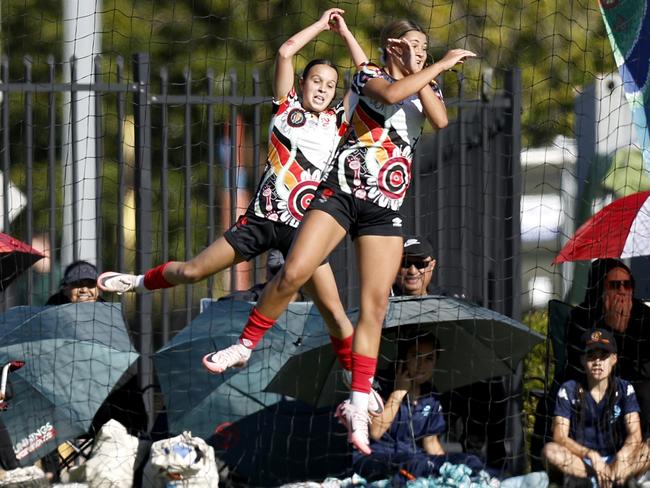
(454,57)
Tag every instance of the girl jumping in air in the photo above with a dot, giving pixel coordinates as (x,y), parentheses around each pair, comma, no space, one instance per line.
(361,195)
(303,135)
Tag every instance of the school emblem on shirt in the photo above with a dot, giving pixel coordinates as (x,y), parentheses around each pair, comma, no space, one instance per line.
(296,118)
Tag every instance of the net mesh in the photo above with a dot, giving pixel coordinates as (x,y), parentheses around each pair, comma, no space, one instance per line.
(170,106)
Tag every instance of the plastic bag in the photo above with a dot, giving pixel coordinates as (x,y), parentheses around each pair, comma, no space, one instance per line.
(181,461)
(112,461)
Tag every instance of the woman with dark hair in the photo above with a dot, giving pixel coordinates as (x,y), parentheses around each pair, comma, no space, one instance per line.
(596,427)
(405,438)
(361,196)
(609,304)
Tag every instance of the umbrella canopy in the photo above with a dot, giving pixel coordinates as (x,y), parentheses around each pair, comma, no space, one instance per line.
(477,344)
(74,355)
(15,257)
(619,230)
(204,403)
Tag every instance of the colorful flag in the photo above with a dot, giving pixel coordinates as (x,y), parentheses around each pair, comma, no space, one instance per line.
(628,28)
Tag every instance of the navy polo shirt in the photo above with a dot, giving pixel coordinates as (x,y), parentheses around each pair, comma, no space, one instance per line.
(590,431)
(418,420)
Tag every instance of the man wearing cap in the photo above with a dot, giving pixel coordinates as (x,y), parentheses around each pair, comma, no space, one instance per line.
(482,405)
(416,271)
(596,425)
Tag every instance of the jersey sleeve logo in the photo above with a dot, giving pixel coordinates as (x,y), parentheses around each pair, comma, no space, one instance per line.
(296,118)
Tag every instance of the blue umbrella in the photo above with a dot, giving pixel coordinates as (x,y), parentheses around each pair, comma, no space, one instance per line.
(201,402)
(74,355)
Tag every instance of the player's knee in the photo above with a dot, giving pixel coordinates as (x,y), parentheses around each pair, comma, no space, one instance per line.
(375,309)
(190,273)
(291,278)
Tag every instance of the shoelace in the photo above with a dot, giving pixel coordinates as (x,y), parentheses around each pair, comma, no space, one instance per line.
(228,356)
(356,417)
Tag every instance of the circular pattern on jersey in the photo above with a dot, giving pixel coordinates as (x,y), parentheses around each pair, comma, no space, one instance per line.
(300,197)
(393,177)
(296,118)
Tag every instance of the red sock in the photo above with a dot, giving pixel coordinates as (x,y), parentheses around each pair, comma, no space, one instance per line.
(343,350)
(363,372)
(255,329)
(154,279)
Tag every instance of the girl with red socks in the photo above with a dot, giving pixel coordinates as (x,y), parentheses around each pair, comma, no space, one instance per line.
(361,195)
(303,135)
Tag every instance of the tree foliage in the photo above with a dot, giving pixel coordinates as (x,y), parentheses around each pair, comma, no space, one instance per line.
(559,46)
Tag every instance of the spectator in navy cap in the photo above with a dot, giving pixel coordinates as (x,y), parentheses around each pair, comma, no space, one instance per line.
(596,424)
(79,284)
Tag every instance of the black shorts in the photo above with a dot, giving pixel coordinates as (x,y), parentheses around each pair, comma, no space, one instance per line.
(252,235)
(357,217)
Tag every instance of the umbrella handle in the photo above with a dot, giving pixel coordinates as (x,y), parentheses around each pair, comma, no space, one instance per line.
(10,366)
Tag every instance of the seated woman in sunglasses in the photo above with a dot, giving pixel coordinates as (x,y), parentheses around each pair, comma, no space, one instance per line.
(609,304)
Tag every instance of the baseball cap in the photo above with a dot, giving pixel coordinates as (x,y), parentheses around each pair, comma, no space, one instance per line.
(79,271)
(598,339)
(418,247)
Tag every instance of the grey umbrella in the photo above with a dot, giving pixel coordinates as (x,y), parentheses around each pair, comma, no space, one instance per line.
(74,355)
(477,343)
(204,403)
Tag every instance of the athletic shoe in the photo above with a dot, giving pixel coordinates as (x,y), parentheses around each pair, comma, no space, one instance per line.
(235,356)
(356,422)
(375,402)
(117,282)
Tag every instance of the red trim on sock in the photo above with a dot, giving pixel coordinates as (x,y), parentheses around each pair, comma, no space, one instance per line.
(255,329)
(154,279)
(343,350)
(363,372)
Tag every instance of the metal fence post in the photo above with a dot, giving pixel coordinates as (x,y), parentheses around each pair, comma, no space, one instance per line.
(29,166)
(143,212)
(512,243)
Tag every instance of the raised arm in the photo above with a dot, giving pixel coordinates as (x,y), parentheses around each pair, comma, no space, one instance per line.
(284,71)
(338,25)
(391,93)
(382,423)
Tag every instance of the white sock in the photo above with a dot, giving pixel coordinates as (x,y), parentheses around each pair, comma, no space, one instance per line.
(139,283)
(359,400)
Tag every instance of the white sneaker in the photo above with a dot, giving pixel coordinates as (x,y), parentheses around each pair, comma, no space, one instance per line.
(356,422)
(118,282)
(235,356)
(375,402)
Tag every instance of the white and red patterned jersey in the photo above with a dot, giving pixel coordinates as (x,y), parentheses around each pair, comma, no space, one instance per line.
(301,145)
(374,160)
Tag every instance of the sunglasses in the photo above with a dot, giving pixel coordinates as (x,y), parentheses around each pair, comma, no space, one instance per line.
(419,263)
(615,285)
